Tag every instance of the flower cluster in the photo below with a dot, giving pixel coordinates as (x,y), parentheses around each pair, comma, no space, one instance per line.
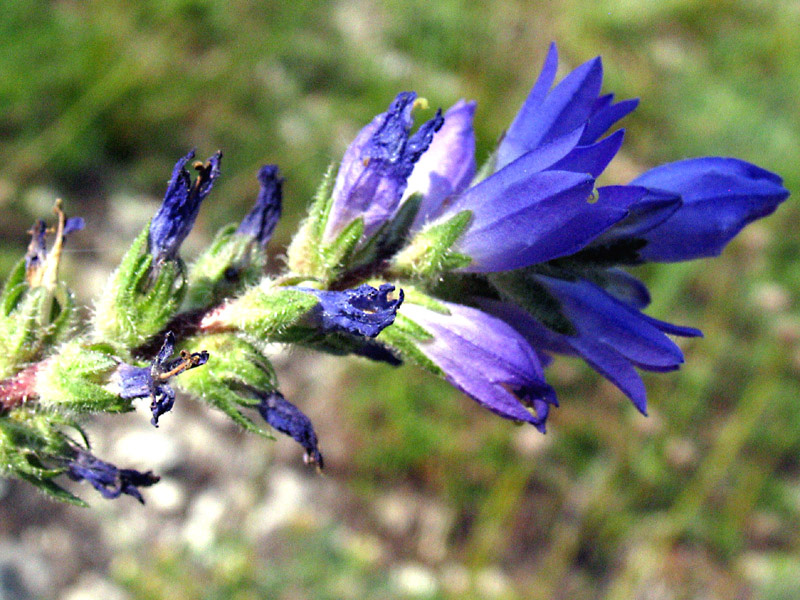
(410,252)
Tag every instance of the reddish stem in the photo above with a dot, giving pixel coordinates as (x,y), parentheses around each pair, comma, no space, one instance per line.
(20,388)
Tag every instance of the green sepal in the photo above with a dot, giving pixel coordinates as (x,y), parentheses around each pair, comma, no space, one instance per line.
(33,448)
(430,252)
(304,256)
(404,336)
(235,369)
(337,255)
(230,264)
(77,379)
(266,313)
(140,298)
(521,288)
(392,236)
(32,319)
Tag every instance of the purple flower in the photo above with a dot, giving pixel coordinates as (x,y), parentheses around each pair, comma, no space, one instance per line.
(107,479)
(288,419)
(486,359)
(376,166)
(363,311)
(151,382)
(177,213)
(260,222)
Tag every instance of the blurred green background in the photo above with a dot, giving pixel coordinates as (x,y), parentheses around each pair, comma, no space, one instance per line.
(426,495)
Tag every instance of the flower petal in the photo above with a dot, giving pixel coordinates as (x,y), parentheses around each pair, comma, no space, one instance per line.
(602,119)
(519,218)
(543,118)
(448,166)
(487,360)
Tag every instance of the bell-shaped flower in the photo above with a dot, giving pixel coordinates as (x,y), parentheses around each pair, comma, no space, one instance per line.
(486,359)
(611,335)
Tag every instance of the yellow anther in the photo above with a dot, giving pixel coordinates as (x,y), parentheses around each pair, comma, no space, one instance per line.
(421,104)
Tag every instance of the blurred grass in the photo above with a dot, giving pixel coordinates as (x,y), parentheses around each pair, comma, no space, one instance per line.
(702,499)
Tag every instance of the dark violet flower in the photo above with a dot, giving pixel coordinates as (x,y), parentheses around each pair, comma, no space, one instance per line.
(376,166)
(363,311)
(152,382)
(107,479)
(720,196)
(260,222)
(287,418)
(177,213)
(486,359)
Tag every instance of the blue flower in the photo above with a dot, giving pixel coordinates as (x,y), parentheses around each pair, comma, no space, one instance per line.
(486,359)
(540,203)
(612,336)
(720,196)
(177,213)
(543,246)
(287,418)
(151,382)
(363,311)
(260,222)
(574,105)
(107,479)
(375,168)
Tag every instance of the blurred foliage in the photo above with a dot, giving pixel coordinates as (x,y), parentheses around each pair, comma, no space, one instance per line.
(702,499)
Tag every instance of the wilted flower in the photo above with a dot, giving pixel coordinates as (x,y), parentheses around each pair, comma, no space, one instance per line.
(175,218)
(260,222)
(152,382)
(107,479)
(287,418)
(363,311)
